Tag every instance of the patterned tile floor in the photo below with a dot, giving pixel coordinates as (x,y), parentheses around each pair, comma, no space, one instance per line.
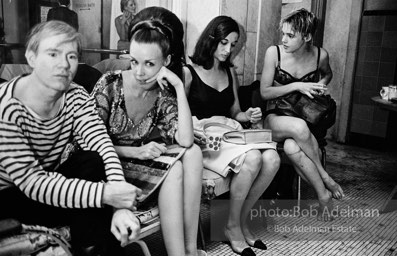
(359,228)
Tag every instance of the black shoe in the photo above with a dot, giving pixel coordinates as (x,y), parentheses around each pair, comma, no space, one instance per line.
(245,252)
(260,245)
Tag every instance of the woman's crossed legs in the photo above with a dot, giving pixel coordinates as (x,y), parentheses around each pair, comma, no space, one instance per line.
(286,127)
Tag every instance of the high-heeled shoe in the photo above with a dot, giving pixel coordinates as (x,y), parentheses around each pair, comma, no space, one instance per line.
(259,244)
(201,253)
(245,252)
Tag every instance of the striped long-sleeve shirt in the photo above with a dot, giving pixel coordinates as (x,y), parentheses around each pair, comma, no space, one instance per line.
(31,148)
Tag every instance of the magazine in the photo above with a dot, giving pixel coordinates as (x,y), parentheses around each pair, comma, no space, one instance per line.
(148,215)
(149,174)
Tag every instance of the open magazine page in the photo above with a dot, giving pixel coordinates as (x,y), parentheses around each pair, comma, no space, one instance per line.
(148,176)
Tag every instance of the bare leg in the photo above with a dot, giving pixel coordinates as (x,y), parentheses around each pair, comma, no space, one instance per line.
(171,211)
(270,166)
(285,127)
(239,188)
(307,170)
(192,175)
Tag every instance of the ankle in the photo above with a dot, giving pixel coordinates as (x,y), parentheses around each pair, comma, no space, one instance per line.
(189,250)
(231,227)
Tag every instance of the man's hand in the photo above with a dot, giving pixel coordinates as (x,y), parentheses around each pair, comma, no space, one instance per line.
(125,226)
(120,194)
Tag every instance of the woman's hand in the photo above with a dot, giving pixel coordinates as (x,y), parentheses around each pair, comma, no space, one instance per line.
(166,77)
(126,16)
(254,115)
(151,150)
(311,89)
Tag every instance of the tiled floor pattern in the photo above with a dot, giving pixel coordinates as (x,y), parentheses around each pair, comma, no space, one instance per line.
(367,178)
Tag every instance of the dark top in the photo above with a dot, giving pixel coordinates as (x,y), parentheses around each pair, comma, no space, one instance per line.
(64,14)
(283,77)
(205,101)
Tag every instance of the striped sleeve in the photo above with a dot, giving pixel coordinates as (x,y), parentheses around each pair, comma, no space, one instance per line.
(19,162)
(92,134)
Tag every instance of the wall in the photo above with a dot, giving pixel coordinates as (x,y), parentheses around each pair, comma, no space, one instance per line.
(90,26)
(198,14)
(341,39)
(380,5)
(289,6)
(16,26)
(375,68)
(341,30)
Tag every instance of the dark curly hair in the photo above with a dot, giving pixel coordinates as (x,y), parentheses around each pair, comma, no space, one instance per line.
(217,30)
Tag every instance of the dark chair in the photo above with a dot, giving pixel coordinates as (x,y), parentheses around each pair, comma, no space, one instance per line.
(87,76)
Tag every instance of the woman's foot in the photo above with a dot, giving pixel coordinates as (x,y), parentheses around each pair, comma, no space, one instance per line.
(326,206)
(237,242)
(201,253)
(334,187)
(252,240)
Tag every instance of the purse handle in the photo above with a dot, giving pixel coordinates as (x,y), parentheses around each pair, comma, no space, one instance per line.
(212,124)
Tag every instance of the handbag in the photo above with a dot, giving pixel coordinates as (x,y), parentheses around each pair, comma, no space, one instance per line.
(319,111)
(224,156)
(208,132)
(241,137)
(248,136)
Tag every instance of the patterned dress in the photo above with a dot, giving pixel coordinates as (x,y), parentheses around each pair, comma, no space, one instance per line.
(162,117)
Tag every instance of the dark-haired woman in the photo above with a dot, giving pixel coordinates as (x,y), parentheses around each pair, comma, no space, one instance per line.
(132,103)
(211,85)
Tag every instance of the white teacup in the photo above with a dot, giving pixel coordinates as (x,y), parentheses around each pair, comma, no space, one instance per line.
(384,92)
(392,91)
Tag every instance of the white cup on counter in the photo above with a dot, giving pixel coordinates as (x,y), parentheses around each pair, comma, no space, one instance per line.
(384,92)
(392,91)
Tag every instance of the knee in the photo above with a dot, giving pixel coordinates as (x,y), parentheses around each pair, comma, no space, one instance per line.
(291,147)
(300,129)
(253,161)
(193,160)
(271,159)
(193,153)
